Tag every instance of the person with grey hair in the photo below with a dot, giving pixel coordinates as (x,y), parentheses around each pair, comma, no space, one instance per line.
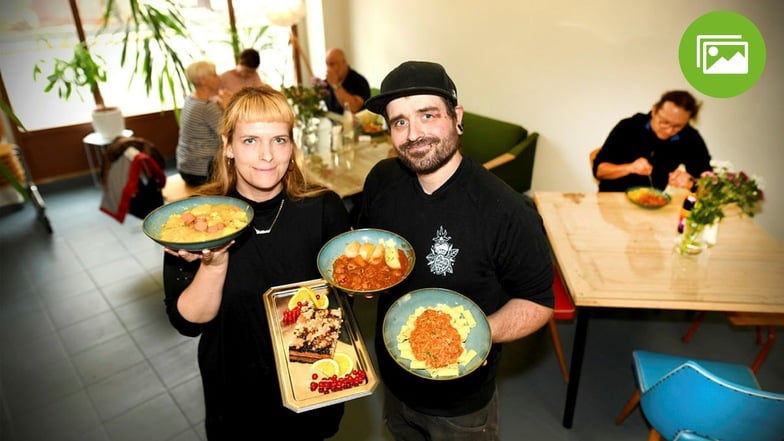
(199,138)
(471,233)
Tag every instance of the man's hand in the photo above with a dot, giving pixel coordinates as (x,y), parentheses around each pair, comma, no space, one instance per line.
(641,167)
(681,179)
(333,80)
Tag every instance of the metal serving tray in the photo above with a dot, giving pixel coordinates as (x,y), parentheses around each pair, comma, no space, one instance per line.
(295,377)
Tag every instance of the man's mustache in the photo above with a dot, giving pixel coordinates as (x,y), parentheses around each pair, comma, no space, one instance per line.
(420,142)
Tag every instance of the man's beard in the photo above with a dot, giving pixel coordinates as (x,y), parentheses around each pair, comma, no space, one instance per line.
(430,160)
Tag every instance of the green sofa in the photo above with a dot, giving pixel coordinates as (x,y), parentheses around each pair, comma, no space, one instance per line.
(504,148)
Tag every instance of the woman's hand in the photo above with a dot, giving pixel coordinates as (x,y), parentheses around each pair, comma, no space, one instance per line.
(216,256)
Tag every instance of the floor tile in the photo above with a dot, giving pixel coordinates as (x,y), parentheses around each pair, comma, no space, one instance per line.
(130,288)
(156,337)
(73,309)
(142,311)
(69,418)
(40,386)
(157,419)
(125,390)
(178,364)
(107,359)
(92,331)
(189,396)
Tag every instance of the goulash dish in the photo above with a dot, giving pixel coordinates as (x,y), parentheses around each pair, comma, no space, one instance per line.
(369,266)
(203,222)
(372,127)
(648,197)
(434,338)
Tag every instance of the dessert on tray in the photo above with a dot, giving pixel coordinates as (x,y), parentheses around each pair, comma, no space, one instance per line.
(315,333)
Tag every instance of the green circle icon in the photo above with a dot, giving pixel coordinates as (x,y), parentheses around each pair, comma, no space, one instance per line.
(722,54)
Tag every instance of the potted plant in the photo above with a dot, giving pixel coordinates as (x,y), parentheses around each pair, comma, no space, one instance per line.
(84,69)
(148,31)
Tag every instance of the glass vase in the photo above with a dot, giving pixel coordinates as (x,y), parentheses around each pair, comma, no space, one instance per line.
(692,241)
(710,233)
(306,135)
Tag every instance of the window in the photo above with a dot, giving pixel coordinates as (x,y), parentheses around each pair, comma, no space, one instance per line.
(33,31)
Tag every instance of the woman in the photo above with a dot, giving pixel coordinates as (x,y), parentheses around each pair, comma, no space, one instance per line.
(199,139)
(218,293)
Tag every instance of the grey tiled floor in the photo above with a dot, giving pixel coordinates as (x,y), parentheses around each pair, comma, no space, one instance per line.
(86,352)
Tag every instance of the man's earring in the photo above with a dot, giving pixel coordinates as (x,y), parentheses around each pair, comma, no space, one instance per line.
(460,127)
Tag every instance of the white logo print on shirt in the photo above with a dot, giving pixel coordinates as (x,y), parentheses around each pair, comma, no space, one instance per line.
(442,255)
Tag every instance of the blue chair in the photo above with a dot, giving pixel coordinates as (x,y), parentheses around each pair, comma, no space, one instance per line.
(701,400)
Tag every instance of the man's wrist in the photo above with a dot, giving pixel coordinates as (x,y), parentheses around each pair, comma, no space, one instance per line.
(336,86)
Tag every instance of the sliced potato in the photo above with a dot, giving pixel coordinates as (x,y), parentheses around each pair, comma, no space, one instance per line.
(366,250)
(352,250)
(390,255)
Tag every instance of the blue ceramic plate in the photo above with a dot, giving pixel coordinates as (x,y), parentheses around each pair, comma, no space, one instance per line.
(648,197)
(337,245)
(398,314)
(154,221)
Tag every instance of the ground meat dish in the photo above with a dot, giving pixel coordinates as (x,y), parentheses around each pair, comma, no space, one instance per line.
(434,340)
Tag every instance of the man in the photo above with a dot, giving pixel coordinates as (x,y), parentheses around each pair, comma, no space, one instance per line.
(345,84)
(655,145)
(470,232)
(245,74)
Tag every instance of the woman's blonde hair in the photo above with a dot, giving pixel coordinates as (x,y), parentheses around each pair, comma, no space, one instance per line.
(253,104)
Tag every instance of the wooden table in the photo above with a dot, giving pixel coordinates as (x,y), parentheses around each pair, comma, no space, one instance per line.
(345,171)
(614,254)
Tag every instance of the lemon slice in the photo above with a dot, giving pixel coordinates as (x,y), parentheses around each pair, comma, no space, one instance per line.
(303,294)
(345,363)
(320,300)
(327,367)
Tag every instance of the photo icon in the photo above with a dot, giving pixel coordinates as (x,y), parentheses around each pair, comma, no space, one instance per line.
(722,54)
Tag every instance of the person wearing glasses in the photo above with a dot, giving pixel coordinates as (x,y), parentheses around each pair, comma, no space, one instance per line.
(649,149)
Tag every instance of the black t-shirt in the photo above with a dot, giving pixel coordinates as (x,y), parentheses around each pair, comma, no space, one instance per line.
(354,84)
(633,138)
(474,235)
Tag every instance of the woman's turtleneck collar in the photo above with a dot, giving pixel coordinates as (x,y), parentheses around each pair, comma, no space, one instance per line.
(262,206)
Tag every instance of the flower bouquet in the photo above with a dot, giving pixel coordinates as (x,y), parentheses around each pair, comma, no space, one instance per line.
(308,102)
(715,190)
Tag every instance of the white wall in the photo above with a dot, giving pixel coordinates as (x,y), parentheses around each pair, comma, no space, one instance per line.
(571,70)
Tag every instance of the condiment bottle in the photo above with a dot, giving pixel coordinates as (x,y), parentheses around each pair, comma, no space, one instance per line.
(688,204)
(348,124)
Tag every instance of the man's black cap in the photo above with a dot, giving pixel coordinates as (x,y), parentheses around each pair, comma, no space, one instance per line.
(413,78)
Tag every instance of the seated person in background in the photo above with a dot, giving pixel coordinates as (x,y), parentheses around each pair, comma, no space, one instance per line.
(654,144)
(245,74)
(199,138)
(345,84)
